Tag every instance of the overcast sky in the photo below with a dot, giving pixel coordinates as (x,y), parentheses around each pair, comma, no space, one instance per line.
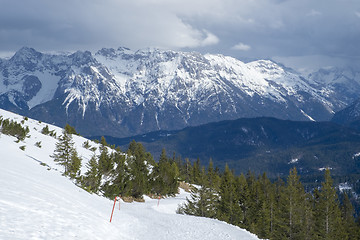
(295,32)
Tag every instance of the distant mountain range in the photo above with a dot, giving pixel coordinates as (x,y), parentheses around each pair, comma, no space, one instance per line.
(119,92)
(261,145)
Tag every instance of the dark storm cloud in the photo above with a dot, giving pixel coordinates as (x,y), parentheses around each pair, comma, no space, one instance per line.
(242,28)
(93,24)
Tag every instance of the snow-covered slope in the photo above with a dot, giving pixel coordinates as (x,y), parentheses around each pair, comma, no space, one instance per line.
(37,202)
(120,92)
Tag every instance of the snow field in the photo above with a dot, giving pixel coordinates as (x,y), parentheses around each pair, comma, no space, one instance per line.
(37,202)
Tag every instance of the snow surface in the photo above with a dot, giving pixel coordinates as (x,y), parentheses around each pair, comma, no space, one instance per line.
(294,160)
(37,202)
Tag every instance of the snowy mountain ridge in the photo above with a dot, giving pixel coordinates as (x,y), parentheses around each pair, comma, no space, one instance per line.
(134,92)
(37,202)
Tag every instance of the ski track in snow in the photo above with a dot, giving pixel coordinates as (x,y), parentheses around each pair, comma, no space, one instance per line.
(37,202)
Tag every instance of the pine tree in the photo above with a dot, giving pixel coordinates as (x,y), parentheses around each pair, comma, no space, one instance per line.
(106,164)
(213,177)
(327,213)
(119,185)
(254,206)
(173,179)
(243,197)
(279,225)
(160,174)
(70,130)
(308,217)
(75,164)
(203,201)
(295,206)
(91,181)
(65,155)
(266,203)
(196,172)
(228,200)
(165,176)
(347,214)
(187,171)
(138,160)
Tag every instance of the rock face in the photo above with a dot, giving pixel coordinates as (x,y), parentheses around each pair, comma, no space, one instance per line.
(119,92)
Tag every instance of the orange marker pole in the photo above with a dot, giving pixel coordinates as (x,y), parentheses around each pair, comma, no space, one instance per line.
(159,200)
(113,209)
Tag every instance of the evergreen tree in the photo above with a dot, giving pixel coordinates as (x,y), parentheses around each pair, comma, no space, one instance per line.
(347,214)
(106,164)
(279,225)
(254,206)
(70,130)
(65,155)
(328,224)
(266,203)
(228,200)
(243,197)
(160,175)
(213,177)
(203,201)
(165,176)
(45,130)
(75,164)
(173,179)
(196,172)
(187,171)
(295,206)
(138,160)
(308,227)
(91,181)
(120,177)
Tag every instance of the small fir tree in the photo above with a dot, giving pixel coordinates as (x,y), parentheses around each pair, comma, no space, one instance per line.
(65,154)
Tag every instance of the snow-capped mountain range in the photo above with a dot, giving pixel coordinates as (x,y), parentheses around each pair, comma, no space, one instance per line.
(120,92)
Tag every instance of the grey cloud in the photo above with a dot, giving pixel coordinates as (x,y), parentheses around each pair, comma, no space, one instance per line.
(282,28)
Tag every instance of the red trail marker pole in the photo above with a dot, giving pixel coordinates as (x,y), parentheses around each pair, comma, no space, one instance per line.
(113,209)
(159,200)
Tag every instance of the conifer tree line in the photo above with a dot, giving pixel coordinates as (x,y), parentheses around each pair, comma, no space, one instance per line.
(273,210)
(113,173)
(130,174)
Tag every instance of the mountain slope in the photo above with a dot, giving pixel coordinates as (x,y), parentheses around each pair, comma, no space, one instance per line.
(342,84)
(349,116)
(123,93)
(37,202)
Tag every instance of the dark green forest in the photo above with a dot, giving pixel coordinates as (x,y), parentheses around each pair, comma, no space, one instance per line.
(274,209)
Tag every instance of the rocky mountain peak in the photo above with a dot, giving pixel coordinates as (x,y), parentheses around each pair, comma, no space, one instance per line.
(26,57)
(81,58)
(26,53)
